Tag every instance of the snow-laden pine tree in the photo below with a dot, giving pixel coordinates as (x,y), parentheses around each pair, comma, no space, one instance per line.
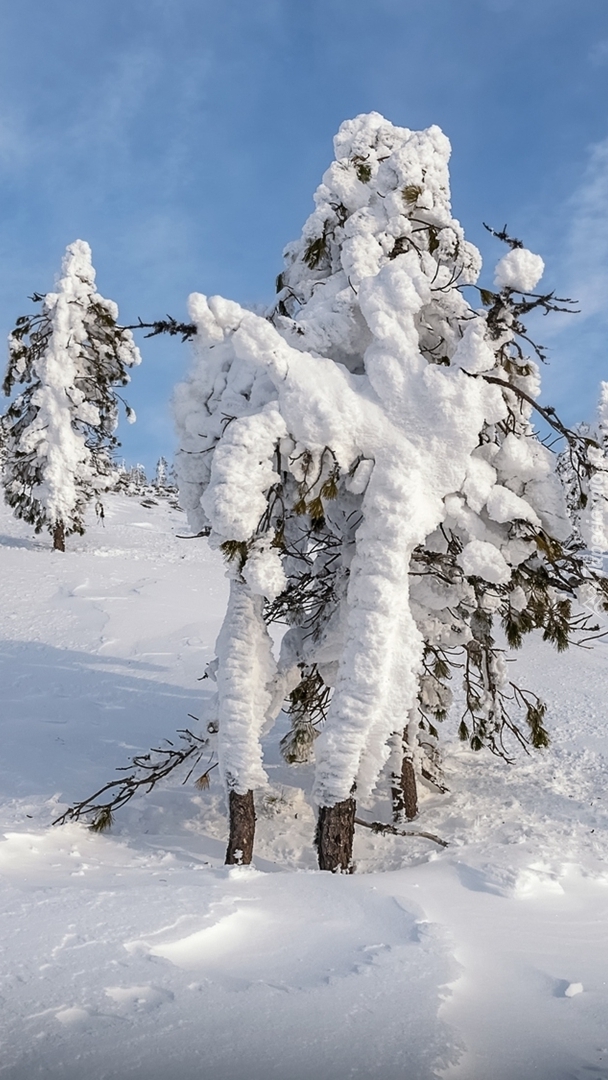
(59,430)
(161,475)
(366,459)
(585,482)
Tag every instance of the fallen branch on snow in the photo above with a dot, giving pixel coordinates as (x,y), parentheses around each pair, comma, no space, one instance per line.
(380,827)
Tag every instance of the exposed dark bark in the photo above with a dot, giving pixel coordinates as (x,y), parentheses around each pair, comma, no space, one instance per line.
(410,792)
(404,792)
(335,835)
(242,829)
(59,537)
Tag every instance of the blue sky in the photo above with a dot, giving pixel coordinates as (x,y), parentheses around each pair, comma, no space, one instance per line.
(184,139)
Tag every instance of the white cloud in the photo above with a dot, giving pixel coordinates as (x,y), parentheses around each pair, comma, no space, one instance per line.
(587,241)
(577,250)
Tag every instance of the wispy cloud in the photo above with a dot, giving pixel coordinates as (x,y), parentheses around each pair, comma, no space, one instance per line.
(105,116)
(577,245)
(15,142)
(586,252)
(598,53)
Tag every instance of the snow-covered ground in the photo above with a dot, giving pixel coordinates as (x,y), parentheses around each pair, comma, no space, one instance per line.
(137,954)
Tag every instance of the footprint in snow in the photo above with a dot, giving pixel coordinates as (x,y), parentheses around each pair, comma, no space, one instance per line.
(138,998)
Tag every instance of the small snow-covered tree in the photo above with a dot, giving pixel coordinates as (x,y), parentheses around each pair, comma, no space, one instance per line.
(164,480)
(366,459)
(585,482)
(161,476)
(59,430)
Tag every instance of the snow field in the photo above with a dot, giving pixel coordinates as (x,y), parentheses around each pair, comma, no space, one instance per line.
(137,954)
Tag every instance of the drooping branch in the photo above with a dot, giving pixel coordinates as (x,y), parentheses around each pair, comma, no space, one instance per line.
(145,771)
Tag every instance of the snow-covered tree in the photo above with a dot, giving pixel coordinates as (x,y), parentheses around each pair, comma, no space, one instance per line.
(366,459)
(132,479)
(161,475)
(59,430)
(165,481)
(585,482)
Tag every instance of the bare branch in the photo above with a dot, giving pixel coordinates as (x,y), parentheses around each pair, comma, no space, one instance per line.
(165,326)
(380,827)
(145,771)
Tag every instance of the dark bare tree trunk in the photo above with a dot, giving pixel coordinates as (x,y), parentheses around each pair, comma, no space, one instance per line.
(335,835)
(59,537)
(405,795)
(242,829)
(405,792)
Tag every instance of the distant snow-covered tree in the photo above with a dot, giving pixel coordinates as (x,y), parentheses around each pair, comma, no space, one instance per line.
(132,480)
(366,459)
(137,481)
(586,482)
(59,430)
(165,480)
(161,476)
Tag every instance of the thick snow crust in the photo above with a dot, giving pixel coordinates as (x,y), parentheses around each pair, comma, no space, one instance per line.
(136,954)
(371,354)
(243,679)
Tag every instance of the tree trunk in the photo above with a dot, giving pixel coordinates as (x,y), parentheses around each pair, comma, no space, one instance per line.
(335,835)
(59,537)
(404,791)
(242,829)
(405,794)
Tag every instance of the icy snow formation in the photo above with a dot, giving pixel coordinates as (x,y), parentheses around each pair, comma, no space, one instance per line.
(358,411)
(243,677)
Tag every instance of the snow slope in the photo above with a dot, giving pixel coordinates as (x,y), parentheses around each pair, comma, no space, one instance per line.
(137,954)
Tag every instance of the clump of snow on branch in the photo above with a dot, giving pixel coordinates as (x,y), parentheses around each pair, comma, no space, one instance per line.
(366,459)
(519,269)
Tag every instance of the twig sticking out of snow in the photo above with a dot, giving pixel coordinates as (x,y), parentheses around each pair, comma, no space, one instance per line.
(380,827)
(145,771)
